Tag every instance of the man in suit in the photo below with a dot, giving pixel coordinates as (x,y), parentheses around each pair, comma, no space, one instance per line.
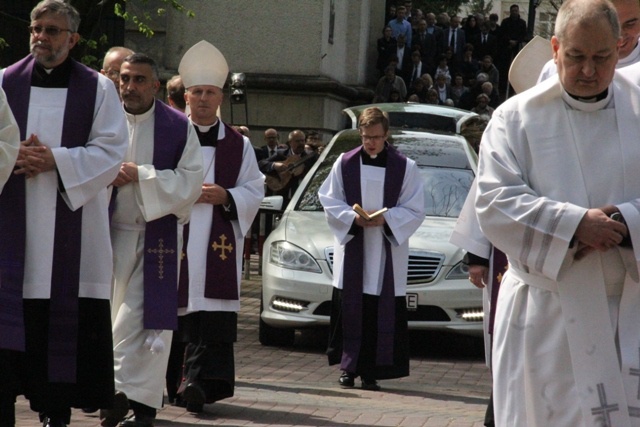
(271,140)
(429,45)
(485,43)
(415,70)
(454,39)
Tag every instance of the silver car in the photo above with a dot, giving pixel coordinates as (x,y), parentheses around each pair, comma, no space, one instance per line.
(298,254)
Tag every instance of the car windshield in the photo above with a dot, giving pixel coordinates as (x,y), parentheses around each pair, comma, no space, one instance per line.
(446,188)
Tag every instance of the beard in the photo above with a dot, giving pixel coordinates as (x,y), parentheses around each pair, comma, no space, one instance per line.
(46,55)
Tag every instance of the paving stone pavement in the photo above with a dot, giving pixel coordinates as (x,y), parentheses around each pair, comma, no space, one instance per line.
(449,384)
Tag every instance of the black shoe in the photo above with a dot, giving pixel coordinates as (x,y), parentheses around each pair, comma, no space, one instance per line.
(112,417)
(138,421)
(179,402)
(195,397)
(89,410)
(53,422)
(368,384)
(347,379)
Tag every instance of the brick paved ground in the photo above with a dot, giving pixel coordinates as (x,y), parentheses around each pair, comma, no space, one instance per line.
(448,386)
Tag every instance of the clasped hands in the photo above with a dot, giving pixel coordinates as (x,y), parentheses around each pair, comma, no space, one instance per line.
(127,174)
(34,158)
(596,231)
(213,194)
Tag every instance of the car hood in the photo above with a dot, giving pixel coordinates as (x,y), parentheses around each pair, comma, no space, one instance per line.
(310,231)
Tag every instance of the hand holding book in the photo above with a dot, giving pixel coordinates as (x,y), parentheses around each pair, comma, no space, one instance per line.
(368,216)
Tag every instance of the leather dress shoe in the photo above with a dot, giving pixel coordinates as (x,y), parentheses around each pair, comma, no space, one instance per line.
(195,397)
(369,384)
(112,417)
(53,422)
(347,379)
(137,421)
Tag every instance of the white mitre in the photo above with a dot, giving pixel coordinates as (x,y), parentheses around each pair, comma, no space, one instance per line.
(203,64)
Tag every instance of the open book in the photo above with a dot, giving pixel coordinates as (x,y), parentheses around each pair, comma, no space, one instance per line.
(358,209)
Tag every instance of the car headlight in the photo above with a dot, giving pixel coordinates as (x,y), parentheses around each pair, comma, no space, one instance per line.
(459,271)
(285,255)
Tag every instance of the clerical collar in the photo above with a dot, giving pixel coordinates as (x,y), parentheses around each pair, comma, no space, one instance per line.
(208,135)
(599,97)
(380,160)
(57,77)
(205,128)
(599,102)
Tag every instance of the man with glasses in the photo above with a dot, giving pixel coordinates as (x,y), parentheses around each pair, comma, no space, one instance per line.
(112,62)
(368,323)
(55,251)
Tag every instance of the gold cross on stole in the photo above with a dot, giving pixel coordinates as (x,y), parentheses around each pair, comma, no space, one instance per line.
(215,246)
(161,251)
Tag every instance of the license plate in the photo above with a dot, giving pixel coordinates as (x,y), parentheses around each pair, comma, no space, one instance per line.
(412,302)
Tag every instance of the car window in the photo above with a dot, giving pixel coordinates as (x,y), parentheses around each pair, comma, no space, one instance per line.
(309,200)
(445,190)
(422,121)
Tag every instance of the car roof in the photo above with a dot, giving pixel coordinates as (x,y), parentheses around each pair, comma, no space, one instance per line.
(415,116)
(435,149)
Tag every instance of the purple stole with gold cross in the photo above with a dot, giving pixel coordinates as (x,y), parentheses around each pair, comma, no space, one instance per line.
(354,263)
(161,235)
(65,276)
(221,281)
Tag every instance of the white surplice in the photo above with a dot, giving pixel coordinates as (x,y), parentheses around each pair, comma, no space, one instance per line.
(139,373)
(565,337)
(403,220)
(9,140)
(85,173)
(247,195)
(467,235)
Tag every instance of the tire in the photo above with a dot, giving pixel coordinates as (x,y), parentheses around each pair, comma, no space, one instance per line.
(275,337)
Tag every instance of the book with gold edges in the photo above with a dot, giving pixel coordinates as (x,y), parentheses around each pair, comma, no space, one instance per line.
(368,216)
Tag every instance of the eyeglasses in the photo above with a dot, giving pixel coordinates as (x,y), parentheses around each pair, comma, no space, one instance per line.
(113,74)
(50,31)
(372,137)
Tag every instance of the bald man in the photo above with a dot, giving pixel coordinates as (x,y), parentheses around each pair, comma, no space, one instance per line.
(112,62)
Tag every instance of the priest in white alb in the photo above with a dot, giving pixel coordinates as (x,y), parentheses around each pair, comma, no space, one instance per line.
(368,324)
(558,193)
(209,294)
(55,253)
(154,192)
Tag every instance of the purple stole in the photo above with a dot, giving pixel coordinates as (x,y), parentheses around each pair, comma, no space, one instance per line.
(221,281)
(161,235)
(65,277)
(499,265)
(354,261)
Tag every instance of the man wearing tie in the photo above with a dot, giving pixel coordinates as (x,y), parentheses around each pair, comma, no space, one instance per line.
(455,39)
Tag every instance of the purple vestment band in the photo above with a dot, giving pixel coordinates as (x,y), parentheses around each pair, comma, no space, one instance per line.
(65,276)
(354,263)
(221,281)
(161,235)
(499,267)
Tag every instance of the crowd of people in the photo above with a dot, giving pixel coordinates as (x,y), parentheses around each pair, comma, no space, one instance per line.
(472,54)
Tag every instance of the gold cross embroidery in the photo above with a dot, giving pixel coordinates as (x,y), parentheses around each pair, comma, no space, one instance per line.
(160,251)
(215,246)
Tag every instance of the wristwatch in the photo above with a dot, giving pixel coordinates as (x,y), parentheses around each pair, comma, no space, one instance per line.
(626,241)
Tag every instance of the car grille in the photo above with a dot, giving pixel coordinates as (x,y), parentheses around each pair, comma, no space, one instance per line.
(424,266)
